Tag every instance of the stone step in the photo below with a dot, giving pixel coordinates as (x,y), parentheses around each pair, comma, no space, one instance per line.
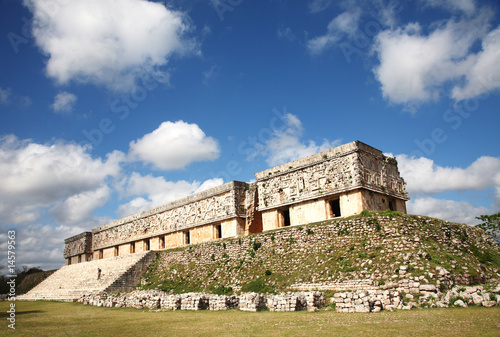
(71,282)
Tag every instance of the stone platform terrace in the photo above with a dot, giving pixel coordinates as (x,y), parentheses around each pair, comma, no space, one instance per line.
(121,273)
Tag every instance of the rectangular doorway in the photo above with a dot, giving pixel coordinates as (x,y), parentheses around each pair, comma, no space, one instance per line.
(284,218)
(218,231)
(335,208)
(187,237)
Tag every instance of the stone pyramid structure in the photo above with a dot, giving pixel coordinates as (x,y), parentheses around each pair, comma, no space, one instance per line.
(120,273)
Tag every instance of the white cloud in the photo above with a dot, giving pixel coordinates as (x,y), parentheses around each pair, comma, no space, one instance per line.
(107,42)
(483,73)
(286,144)
(316,6)
(156,191)
(415,67)
(466,6)
(39,245)
(5,95)
(345,24)
(79,207)
(64,102)
(174,146)
(37,176)
(285,33)
(456,211)
(8,97)
(210,74)
(424,176)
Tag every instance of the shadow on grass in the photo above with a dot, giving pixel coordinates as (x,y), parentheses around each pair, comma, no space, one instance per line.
(7,314)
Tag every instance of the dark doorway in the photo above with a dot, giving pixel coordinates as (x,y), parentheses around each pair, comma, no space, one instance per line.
(392,205)
(335,207)
(218,232)
(132,248)
(286,217)
(187,237)
(162,242)
(146,245)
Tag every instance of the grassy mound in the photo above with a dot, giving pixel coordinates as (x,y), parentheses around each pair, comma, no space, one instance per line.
(380,247)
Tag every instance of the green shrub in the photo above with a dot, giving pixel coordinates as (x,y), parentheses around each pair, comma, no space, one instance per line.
(256,245)
(390,213)
(258,286)
(365,213)
(222,290)
(267,272)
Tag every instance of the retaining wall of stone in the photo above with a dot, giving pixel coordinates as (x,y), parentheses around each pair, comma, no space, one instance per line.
(368,301)
(153,299)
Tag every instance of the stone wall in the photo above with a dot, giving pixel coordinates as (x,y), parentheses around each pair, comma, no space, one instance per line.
(344,168)
(154,299)
(215,205)
(368,301)
(343,302)
(401,253)
(78,247)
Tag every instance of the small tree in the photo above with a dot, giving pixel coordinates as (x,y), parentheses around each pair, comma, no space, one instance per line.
(491,224)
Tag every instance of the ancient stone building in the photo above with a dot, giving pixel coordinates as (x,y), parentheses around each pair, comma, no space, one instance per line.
(339,182)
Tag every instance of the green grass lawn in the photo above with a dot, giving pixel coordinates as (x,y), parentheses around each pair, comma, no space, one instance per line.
(72,319)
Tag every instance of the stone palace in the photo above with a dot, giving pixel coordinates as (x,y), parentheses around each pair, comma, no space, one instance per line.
(338,182)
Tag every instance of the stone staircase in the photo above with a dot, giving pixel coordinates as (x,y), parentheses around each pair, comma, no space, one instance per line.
(120,273)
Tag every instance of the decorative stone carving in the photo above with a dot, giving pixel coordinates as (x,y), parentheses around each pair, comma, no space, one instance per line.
(226,201)
(78,244)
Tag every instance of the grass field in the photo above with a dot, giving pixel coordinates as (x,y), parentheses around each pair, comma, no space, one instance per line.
(72,319)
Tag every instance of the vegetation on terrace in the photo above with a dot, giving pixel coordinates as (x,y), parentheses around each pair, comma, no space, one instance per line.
(368,246)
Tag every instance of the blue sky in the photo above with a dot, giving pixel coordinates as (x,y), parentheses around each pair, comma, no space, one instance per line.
(111,107)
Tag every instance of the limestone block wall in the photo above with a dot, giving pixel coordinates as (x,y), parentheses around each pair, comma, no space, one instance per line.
(381,174)
(203,233)
(175,239)
(299,183)
(199,210)
(342,181)
(307,212)
(379,202)
(329,174)
(78,248)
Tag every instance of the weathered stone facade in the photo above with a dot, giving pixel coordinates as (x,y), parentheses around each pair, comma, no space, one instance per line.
(339,182)
(342,181)
(215,213)
(78,248)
